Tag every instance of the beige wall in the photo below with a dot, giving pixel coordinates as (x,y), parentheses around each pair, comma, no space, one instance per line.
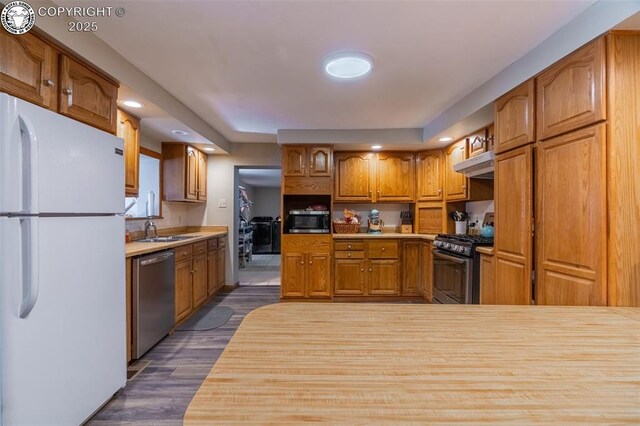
(221,184)
(266,202)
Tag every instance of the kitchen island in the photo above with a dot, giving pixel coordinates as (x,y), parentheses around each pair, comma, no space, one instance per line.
(363,363)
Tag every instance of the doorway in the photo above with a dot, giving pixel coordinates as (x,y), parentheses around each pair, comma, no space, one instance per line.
(259,225)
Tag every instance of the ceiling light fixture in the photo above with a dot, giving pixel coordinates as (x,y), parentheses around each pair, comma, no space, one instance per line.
(209,149)
(376,146)
(348,65)
(132,104)
(445,139)
(180,132)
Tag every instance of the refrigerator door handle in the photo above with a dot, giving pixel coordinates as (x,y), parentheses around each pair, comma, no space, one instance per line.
(30,281)
(29,176)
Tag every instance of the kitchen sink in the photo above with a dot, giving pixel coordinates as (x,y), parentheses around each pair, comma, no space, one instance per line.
(165,239)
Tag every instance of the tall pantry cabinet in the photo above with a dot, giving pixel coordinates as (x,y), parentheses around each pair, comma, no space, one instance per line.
(587,145)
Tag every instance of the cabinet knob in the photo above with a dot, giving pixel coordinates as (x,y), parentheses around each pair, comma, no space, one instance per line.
(349,246)
(383,248)
(67,92)
(48,83)
(302,263)
(370,270)
(310,263)
(361,269)
(464,186)
(348,254)
(439,191)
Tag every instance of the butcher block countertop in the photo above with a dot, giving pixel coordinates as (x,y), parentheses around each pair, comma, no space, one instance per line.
(136,248)
(485,250)
(384,363)
(384,235)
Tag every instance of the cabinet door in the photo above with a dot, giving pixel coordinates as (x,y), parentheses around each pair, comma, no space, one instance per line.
(514,119)
(212,272)
(202,176)
(128,273)
(487,282)
(427,271)
(354,178)
(429,168)
(513,219)
(86,96)
(222,277)
(455,186)
(384,277)
(318,275)
(293,275)
(191,181)
(200,275)
(129,130)
(349,277)
(477,143)
(320,163)
(29,69)
(294,160)
(571,219)
(395,177)
(183,289)
(411,273)
(571,94)
(429,218)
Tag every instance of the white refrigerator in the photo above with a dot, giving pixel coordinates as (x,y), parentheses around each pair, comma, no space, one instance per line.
(62,277)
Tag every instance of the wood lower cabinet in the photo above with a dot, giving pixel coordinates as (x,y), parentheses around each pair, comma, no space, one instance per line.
(350,277)
(183,289)
(306,266)
(571,219)
(355,176)
(200,280)
(429,175)
(184,173)
(384,277)
(395,177)
(514,118)
(427,270)
(487,280)
(128,298)
(294,275)
(129,130)
(514,219)
(212,272)
(319,275)
(411,270)
(86,96)
(571,93)
(222,259)
(29,69)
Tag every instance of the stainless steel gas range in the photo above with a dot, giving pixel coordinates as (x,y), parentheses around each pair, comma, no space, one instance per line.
(456,268)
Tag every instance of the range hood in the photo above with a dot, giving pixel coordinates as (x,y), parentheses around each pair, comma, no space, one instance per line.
(479,167)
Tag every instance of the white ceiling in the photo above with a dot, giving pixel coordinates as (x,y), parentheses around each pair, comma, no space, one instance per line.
(249,68)
(261,178)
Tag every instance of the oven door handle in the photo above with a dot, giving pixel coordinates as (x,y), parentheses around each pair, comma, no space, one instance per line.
(442,254)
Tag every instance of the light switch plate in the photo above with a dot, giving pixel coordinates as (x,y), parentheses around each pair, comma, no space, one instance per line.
(222,203)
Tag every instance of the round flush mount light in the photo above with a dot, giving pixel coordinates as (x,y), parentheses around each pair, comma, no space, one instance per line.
(445,139)
(132,104)
(180,132)
(376,146)
(348,65)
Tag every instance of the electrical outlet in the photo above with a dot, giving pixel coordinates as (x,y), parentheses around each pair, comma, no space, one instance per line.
(222,203)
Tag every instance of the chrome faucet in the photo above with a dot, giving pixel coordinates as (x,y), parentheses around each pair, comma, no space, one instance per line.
(148,225)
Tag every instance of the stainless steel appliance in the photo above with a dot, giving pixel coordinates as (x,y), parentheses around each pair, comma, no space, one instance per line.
(456,268)
(262,241)
(309,222)
(153,299)
(275,236)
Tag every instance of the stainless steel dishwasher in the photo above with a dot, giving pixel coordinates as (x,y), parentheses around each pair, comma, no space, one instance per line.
(153,299)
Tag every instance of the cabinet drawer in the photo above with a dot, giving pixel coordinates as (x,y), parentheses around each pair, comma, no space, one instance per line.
(213,244)
(349,254)
(349,245)
(200,248)
(383,250)
(184,252)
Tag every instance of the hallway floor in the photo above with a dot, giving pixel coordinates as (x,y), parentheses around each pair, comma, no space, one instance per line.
(262,270)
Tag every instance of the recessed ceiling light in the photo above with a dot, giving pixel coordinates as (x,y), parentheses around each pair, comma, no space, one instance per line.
(132,104)
(376,146)
(348,65)
(209,149)
(446,139)
(180,132)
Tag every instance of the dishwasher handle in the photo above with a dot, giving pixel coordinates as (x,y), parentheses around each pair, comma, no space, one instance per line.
(157,259)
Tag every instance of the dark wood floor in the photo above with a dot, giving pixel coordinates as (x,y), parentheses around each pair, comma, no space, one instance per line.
(160,394)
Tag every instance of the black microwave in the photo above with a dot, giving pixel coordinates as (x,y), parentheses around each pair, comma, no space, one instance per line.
(309,222)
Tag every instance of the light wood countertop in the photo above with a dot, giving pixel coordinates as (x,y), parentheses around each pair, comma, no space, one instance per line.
(426,364)
(485,250)
(397,235)
(137,248)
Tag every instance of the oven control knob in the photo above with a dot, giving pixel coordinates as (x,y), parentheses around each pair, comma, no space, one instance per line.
(448,245)
(461,249)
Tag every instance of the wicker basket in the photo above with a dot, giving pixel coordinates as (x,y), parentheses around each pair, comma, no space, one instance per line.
(346,228)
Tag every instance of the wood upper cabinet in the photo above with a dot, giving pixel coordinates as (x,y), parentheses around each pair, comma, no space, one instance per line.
(455,186)
(514,118)
(477,143)
(306,161)
(183,301)
(513,232)
(411,271)
(355,176)
(29,69)
(571,93)
(86,96)
(184,173)
(395,177)
(350,277)
(571,219)
(429,174)
(319,275)
(429,217)
(129,130)
(200,281)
